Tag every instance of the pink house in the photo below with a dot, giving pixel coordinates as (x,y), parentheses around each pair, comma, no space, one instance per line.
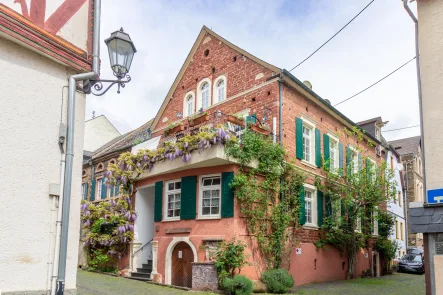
(184,208)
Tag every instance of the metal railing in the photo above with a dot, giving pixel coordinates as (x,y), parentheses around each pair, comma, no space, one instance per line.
(141,248)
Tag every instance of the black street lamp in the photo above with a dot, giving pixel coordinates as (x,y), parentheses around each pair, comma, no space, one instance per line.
(121,51)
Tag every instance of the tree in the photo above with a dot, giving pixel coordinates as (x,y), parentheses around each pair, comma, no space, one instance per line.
(354,196)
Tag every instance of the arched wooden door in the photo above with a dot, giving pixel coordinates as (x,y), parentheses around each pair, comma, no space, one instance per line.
(181,268)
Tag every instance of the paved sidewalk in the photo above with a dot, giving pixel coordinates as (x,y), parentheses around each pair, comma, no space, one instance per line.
(89,283)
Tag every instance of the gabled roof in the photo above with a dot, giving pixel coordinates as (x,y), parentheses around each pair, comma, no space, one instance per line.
(373,120)
(406,146)
(194,48)
(127,140)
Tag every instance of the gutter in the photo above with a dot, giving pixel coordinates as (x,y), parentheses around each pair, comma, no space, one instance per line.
(328,105)
(70,149)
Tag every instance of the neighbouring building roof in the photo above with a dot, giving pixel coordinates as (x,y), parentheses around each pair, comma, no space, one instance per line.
(98,131)
(426,219)
(406,146)
(127,140)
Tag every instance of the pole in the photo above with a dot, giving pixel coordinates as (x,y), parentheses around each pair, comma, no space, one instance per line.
(70,147)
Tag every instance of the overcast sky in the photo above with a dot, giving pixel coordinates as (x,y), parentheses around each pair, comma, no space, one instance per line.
(280,32)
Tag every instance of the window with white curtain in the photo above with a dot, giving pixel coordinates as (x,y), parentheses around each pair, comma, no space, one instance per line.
(205,95)
(221,90)
(210,194)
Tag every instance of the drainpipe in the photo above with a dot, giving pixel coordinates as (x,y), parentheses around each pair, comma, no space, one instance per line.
(420,97)
(280,107)
(70,146)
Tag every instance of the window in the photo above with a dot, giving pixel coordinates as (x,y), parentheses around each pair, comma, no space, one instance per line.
(396,230)
(210,193)
(358,225)
(85,191)
(402,234)
(373,169)
(100,167)
(190,105)
(308,143)
(205,95)
(310,205)
(173,199)
(333,153)
(377,133)
(98,186)
(353,155)
(399,198)
(220,90)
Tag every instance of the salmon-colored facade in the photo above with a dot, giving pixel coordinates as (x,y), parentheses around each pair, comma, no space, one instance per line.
(250,87)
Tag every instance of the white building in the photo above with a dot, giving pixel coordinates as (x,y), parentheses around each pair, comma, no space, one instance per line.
(42,43)
(397,205)
(98,131)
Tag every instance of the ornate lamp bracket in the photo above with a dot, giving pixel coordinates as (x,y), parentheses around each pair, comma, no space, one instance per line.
(97,87)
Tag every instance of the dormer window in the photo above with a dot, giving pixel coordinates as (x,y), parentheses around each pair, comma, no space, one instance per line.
(205,95)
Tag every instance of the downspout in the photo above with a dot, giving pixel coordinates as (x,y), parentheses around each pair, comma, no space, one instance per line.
(280,107)
(70,146)
(420,97)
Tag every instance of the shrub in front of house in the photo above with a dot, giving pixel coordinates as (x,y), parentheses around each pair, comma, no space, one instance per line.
(278,280)
(239,285)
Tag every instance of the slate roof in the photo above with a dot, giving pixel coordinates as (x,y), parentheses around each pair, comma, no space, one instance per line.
(127,140)
(406,146)
(426,219)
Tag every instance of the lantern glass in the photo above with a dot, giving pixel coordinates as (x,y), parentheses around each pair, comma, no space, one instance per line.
(121,51)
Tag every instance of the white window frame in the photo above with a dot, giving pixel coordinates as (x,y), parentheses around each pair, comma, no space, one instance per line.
(354,159)
(185,104)
(166,200)
(199,94)
(98,187)
(309,125)
(200,202)
(216,89)
(84,185)
(375,221)
(313,190)
(333,139)
(374,167)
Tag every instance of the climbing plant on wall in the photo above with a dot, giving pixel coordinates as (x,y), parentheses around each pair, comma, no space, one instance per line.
(355,198)
(267,187)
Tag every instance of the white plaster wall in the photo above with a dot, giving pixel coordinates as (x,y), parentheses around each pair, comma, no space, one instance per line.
(395,208)
(430,15)
(98,131)
(74,31)
(144,225)
(31,100)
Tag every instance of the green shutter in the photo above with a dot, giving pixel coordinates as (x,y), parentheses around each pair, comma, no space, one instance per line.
(93,190)
(326,150)
(317,147)
(103,196)
(158,201)
(340,157)
(342,208)
(227,201)
(368,170)
(348,161)
(298,138)
(302,211)
(320,208)
(188,197)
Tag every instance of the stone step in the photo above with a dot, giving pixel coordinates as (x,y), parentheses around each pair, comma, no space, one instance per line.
(140,279)
(141,275)
(145,270)
(147,265)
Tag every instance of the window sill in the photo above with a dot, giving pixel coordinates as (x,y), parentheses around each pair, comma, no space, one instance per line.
(310,226)
(208,217)
(171,219)
(309,164)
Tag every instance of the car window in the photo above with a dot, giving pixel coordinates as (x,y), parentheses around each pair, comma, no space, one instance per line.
(410,257)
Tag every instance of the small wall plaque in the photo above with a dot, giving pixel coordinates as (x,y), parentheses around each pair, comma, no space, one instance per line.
(178,230)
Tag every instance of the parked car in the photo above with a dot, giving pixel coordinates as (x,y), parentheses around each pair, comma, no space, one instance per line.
(411,263)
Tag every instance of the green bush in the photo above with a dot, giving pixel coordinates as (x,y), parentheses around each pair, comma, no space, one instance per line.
(239,285)
(229,257)
(278,280)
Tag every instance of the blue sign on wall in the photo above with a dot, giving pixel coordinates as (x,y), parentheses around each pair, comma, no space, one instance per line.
(435,196)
